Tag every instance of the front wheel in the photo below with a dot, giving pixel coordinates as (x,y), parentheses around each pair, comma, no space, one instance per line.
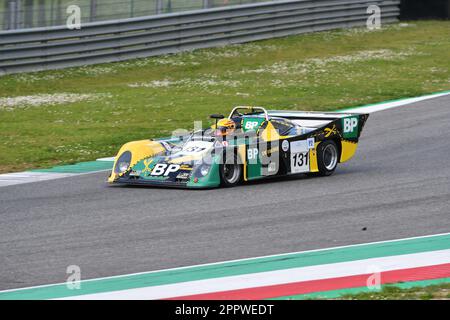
(327,157)
(230,173)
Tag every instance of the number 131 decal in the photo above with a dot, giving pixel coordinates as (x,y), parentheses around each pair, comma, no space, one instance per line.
(300,162)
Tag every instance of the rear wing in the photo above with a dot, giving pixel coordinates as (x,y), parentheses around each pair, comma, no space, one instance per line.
(348,125)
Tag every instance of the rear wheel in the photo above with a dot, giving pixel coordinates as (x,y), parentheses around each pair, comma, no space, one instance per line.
(231,173)
(327,157)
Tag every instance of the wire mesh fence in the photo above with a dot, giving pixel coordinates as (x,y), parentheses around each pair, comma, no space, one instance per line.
(19,14)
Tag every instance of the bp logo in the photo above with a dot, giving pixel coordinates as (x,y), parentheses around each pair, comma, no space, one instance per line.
(350,127)
(251,124)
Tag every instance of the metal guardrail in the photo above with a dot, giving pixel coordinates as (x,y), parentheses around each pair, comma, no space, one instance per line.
(110,41)
(20,14)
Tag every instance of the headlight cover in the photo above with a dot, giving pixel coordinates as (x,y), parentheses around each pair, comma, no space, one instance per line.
(201,169)
(123,163)
(204,169)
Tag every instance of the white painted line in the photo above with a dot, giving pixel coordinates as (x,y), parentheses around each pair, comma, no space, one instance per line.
(237,260)
(9,179)
(262,279)
(393,104)
(111,159)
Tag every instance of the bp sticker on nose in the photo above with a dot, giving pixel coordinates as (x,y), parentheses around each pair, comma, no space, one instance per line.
(350,127)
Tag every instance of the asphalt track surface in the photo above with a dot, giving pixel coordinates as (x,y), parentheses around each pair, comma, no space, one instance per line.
(397,186)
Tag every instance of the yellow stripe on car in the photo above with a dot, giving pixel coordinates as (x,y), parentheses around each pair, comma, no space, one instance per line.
(348,150)
(313,166)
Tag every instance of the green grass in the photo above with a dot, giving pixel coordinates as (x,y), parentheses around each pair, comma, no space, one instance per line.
(389,292)
(151,97)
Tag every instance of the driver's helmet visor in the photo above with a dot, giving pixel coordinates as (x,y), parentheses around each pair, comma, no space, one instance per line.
(223,131)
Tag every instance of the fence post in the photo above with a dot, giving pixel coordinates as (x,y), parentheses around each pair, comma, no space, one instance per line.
(206,4)
(18,14)
(93,11)
(5,16)
(52,13)
(41,13)
(12,10)
(28,15)
(59,15)
(159,6)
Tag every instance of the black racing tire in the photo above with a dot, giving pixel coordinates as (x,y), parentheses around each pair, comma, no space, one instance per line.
(231,173)
(327,157)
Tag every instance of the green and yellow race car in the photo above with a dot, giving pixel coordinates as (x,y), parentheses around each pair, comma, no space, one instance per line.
(252,143)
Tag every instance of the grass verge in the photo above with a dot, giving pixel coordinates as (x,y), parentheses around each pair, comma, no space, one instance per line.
(80,114)
(434,292)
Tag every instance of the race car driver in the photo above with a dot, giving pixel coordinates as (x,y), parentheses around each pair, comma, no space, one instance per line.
(225,127)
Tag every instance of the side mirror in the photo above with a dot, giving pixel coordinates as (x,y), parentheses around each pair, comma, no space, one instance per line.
(216,116)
